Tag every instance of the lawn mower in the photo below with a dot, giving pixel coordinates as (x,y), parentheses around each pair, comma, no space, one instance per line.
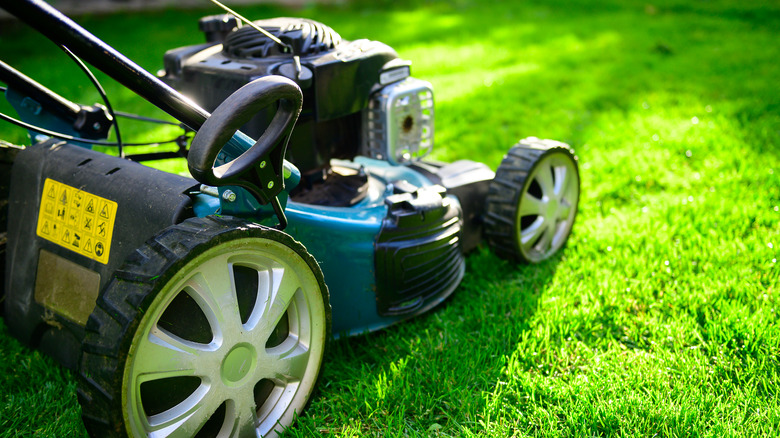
(202,306)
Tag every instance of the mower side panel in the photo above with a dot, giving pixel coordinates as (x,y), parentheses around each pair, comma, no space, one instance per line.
(360,248)
(419,255)
(342,242)
(51,287)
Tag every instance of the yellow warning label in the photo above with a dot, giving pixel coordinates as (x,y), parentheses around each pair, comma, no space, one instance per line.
(76,220)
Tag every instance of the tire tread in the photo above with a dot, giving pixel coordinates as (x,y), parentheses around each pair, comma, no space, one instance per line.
(505,190)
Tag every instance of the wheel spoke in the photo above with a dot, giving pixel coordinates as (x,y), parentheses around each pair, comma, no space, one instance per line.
(186,418)
(162,355)
(544,177)
(559,234)
(530,234)
(275,406)
(286,364)
(246,427)
(244,414)
(549,231)
(282,286)
(562,181)
(530,205)
(213,288)
(285,284)
(563,212)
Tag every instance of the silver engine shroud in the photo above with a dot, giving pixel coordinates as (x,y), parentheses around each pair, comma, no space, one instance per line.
(398,123)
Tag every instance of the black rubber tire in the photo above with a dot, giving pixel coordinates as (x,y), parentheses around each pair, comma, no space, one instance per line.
(514,177)
(121,306)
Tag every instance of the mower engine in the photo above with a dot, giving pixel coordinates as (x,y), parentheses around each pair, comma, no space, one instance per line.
(358,96)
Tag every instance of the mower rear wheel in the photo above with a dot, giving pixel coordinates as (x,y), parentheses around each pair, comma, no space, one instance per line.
(532,201)
(216,327)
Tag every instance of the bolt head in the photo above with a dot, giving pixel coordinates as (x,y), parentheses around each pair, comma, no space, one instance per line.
(229,196)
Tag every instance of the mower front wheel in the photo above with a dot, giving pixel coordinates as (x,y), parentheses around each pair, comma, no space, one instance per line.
(216,327)
(532,201)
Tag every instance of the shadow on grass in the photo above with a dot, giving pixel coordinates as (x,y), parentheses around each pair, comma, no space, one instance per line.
(36,394)
(436,368)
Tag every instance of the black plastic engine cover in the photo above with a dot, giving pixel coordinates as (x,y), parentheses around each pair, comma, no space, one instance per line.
(418,251)
(339,78)
(147,200)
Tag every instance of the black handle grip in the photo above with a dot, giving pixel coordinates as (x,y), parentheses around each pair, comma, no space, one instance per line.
(234,112)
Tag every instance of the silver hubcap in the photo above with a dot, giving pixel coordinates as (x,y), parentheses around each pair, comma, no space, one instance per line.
(261,363)
(548,205)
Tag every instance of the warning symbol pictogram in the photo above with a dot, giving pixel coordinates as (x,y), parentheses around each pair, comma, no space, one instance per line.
(104,211)
(101,228)
(77,220)
(86,224)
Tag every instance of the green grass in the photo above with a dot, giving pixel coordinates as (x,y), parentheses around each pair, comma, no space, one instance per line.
(660,318)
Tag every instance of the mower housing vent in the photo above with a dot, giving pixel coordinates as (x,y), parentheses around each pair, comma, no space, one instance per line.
(307,37)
